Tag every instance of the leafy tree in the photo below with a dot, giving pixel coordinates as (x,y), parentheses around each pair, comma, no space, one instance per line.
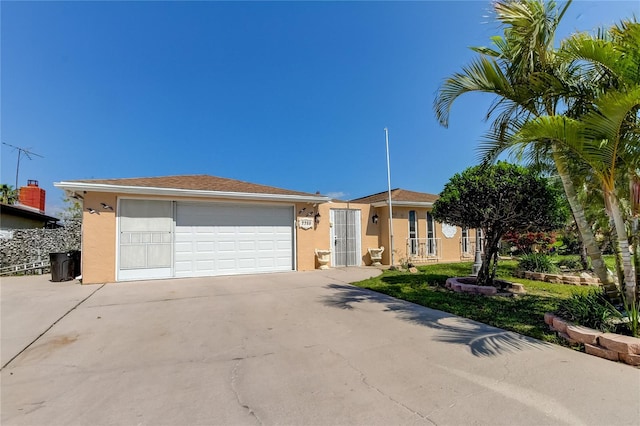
(498,199)
(9,195)
(72,210)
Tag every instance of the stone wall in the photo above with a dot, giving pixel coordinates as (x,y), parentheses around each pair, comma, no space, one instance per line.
(30,245)
(583,279)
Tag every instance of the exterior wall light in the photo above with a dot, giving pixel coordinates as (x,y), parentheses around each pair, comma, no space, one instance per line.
(317,218)
(374,218)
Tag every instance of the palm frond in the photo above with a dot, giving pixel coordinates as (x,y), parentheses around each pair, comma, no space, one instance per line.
(482,75)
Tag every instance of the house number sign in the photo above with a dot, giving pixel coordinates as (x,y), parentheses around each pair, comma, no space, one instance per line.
(305,222)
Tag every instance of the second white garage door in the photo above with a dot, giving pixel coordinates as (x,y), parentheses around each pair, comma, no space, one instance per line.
(225,239)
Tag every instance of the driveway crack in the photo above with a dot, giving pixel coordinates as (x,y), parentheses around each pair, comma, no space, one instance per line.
(234,376)
(50,327)
(363,379)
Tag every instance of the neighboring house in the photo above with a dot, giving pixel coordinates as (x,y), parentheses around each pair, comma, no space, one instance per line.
(18,216)
(28,213)
(200,225)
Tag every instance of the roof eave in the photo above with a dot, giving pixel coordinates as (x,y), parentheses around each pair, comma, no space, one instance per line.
(403,203)
(22,212)
(177,192)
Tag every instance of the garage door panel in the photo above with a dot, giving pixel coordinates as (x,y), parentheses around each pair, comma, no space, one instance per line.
(159,256)
(226,246)
(132,256)
(208,246)
(247,245)
(266,245)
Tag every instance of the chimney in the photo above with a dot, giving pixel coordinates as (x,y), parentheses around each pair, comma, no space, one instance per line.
(32,196)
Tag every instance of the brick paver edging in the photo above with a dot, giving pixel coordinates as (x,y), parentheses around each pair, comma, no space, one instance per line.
(615,347)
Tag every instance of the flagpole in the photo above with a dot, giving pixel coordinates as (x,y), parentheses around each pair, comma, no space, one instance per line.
(386,133)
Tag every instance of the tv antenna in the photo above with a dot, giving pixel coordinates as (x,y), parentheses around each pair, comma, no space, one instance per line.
(27,153)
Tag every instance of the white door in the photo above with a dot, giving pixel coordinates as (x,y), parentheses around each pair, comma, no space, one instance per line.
(145,239)
(345,236)
(224,239)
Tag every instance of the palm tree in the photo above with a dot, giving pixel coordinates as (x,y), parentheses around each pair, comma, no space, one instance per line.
(528,80)
(603,140)
(613,59)
(8,194)
(610,127)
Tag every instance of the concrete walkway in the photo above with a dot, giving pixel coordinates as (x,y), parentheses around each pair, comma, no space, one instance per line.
(300,348)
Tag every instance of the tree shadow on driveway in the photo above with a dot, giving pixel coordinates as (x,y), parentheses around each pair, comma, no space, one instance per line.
(482,339)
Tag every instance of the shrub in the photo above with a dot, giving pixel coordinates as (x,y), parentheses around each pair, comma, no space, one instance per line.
(525,242)
(590,310)
(537,262)
(571,263)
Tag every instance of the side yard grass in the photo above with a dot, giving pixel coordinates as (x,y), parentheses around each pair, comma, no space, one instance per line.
(523,314)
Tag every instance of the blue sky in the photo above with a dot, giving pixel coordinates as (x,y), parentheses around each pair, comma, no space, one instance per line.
(288,94)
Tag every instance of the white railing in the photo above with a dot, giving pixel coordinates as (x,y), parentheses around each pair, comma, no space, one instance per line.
(423,249)
(468,247)
(24,267)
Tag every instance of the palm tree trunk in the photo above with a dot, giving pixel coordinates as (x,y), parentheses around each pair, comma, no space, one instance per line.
(612,237)
(588,239)
(623,245)
(635,238)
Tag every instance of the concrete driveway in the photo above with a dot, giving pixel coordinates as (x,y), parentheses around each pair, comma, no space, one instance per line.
(300,348)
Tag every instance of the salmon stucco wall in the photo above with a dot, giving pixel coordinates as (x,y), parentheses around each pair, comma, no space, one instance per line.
(307,240)
(449,248)
(319,237)
(99,239)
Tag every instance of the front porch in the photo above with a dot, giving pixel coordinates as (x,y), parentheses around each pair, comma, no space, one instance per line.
(430,250)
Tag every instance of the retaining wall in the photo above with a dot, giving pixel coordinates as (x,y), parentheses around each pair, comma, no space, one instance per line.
(611,346)
(583,279)
(30,245)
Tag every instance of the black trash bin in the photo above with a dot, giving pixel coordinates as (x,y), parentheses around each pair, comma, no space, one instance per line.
(77,269)
(61,267)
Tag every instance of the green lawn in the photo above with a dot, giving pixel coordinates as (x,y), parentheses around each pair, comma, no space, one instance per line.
(523,314)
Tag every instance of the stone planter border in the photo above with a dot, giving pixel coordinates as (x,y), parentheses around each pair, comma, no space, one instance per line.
(559,278)
(456,285)
(611,346)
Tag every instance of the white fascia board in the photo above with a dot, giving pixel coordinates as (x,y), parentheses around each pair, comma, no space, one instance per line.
(403,203)
(175,192)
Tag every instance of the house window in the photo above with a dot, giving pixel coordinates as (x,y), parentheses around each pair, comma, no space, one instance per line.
(431,235)
(413,233)
(466,244)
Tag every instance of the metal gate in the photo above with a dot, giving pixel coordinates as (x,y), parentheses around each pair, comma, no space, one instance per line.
(345,234)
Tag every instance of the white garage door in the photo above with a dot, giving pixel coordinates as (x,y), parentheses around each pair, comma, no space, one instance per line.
(225,239)
(145,241)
